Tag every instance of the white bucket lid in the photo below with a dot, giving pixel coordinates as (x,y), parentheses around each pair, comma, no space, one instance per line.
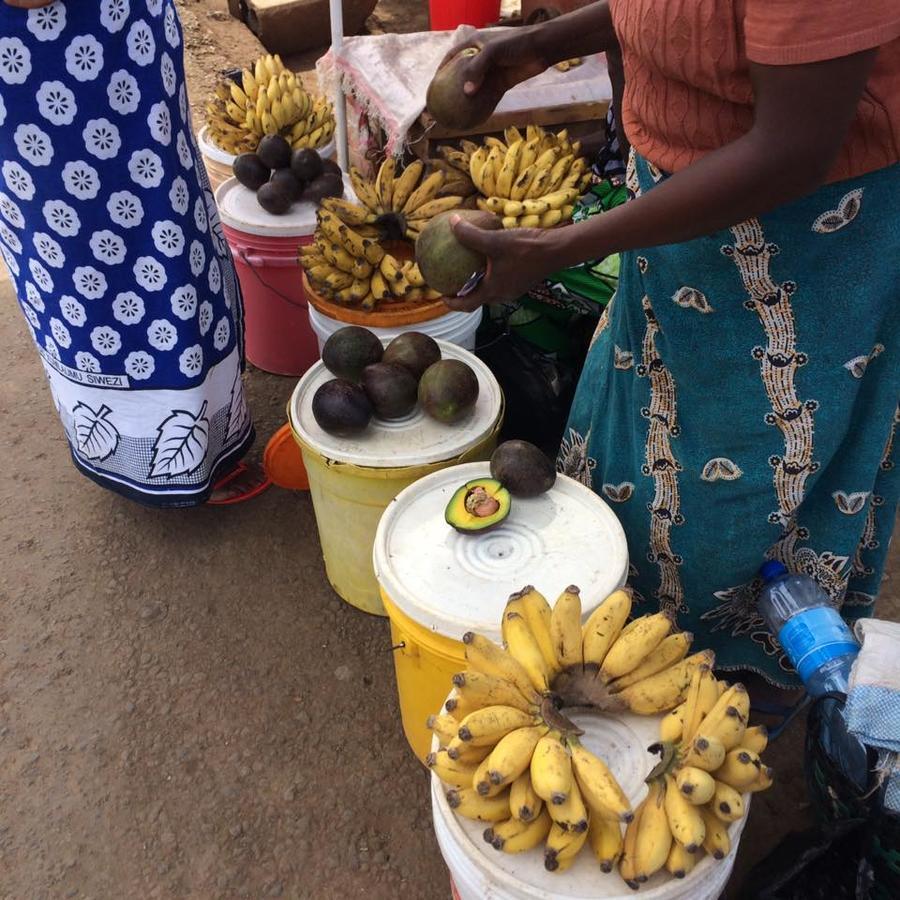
(239,209)
(452,583)
(212,151)
(621,741)
(416,440)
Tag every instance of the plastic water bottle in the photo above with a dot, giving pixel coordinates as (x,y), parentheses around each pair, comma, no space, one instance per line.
(817,641)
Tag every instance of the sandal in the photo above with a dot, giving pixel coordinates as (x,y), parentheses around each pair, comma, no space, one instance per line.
(244,482)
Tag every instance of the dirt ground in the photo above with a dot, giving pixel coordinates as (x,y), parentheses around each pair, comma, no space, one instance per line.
(186,708)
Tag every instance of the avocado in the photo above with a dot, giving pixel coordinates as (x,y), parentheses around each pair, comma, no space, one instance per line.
(326,185)
(287,181)
(414,351)
(250,171)
(306,164)
(274,198)
(447,101)
(274,151)
(349,350)
(391,389)
(445,264)
(523,469)
(329,166)
(341,408)
(448,390)
(478,506)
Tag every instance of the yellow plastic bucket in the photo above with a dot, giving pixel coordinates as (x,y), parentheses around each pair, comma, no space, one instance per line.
(353,480)
(437,584)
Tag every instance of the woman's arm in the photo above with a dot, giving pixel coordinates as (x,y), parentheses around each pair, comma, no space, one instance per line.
(802,114)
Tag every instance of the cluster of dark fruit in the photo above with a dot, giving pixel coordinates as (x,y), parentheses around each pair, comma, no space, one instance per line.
(389,382)
(282,177)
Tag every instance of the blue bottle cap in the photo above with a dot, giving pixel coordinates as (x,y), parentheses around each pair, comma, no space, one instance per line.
(771,570)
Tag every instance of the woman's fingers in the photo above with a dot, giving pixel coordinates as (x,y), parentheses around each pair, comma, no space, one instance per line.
(484,240)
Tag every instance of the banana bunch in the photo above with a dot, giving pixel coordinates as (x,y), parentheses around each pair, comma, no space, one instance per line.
(710,760)
(530,180)
(270,99)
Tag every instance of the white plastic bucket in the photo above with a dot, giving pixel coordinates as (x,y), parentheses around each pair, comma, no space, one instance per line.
(455,328)
(478,871)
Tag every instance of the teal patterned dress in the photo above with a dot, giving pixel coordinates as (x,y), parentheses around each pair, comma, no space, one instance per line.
(740,403)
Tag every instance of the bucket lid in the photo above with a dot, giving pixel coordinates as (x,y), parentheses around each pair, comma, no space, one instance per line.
(416,440)
(239,209)
(452,583)
(283,461)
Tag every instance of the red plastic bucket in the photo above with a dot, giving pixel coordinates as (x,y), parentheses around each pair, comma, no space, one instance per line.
(277,333)
(448,14)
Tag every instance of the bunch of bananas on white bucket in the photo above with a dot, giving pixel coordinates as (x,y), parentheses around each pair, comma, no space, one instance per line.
(270,99)
(511,758)
(349,261)
(530,180)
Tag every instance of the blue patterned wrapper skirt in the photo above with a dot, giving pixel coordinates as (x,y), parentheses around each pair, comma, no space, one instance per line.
(740,403)
(110,233)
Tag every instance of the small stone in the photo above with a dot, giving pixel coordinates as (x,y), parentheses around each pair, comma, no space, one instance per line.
(236,830)
(276,889)
(342,673)
(289,793)
(130,707)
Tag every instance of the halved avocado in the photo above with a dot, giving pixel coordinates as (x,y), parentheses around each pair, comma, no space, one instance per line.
(478,506)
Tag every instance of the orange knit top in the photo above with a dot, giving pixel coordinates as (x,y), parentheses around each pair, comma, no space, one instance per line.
(687,84)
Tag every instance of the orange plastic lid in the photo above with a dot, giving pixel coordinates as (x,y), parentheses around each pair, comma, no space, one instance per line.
(283,461)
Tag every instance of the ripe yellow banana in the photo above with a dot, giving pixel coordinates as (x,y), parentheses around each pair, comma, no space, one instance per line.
(524,803)
(559,171)
(424,193)
(510,222)
(482,783)
(681,863)
(444,726)
(565,627)
(698,786)
(529,222)
(562,847)
(763,781)
(349,213)
(692,714)
(516,836)
(485,727)
(634,645)
(604,626)
(379,287)
(509,168)
(435,207)
(406,184)
(665,690)
(671,725)
(573,814)
(511,208)
(479,689)
(469,803)
(490,170)
(451,771)
(485,656)
(523,645)
(685,821)
(605,836)
(602,793)
(740,768)
(551,770)
(654,837)
(529,154)
(716,842)
(384,182)
(704,753)
(477,163)
(727,803)
(727,720)
(627,861)
(511,757)
(365,191)
(523,182)
(465,752)
(551,218)
(671,650)
(756,739)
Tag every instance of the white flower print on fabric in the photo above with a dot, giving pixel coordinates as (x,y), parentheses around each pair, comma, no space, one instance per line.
(173,38)
(34,144)
(60,333)
(105,340)
(107,247)
(113,14)
(101,138)
(10,261)
(150,274)
(205,317)
(2,111)
(72,310)
(48,249)
(184,151)
(18,180)
(87,362)
(34,297)
(40,275)
(47,23)
(31,315)
(10,238)
(190,362)
(61,218)
(200,215)
(162,335)
(125,209)
(183,104)
(154,7)
(222,333)
(145,168)
(159,121)
(10,211)
(184,302)
(141,45)
(197,258)
(139,365)
(168,238)
(15,61)
(167,71)
(56,103)
(215,276)
(84,57)
(89,282)
(123,92)
(51,348)
(128,308)
(179,196)
(80,179)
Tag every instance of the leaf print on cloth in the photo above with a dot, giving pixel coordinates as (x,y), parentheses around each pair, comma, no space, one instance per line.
(835,219)
(238,414)
(623,359)
(850,504)
(619,493)
(573,459)
(95,435)
(858,365)
(691,298)
(720,468)
(181,444)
